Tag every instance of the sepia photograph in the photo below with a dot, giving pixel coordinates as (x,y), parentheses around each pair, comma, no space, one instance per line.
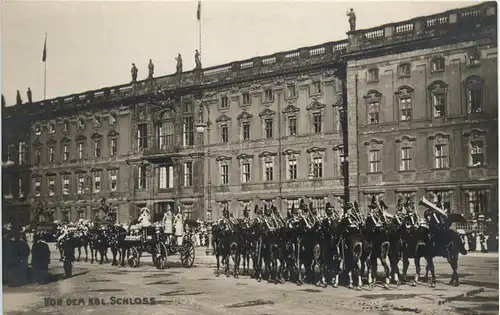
(249,157)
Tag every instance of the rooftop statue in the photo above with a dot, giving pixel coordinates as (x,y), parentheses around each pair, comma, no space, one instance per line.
(197,59)
(134,72)
(19,101)
(352,19)
(151,68)
(28,93)
(179,63)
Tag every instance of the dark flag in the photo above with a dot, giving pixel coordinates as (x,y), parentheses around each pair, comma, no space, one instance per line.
(198,13)
(44,56)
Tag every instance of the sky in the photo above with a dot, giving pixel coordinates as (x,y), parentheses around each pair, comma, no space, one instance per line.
(92,44)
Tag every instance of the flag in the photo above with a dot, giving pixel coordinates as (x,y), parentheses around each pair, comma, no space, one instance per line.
(44,56)
(198,13)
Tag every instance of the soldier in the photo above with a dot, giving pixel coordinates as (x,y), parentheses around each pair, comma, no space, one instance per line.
(151,68)
(167,221)
(40,259)
(246,218)
(134,72)
(400,207)
(269,219)
(179,226)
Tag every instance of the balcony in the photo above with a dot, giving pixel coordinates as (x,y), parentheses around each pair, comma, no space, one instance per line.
(163,145)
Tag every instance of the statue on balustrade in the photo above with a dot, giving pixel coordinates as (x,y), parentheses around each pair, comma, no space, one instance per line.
(352,19)
(179,63)
(197,59)
(3,101)
(19,101)
(151,68)
(134,72)
(28,93)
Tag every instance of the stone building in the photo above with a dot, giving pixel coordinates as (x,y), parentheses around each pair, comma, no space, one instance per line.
(423,110)
(420,97)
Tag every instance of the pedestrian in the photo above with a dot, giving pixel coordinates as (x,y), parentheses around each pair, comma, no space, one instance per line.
(40,259)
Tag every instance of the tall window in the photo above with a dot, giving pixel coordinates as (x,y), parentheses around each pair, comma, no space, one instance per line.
(20,187)
(476,202)
(292,125)
(317,167)
(405,70)
(268,95)
(342,162)
(268,171)
(291,91)
(437,65)
(317,122)
(81,124)
(292,203)
(439,104)
(38,130)
(440,156)
(142,136)
(166,177)
(21,153)
(65,126)
(141,177)
(188,174)
(113,147)
(224,133)
(406,159)
(245,172)
(268,125)
(246,98)
(65,185)
(52,154)
(81,184)
(246,131)
(224,174)
(187,211)
(52,128)
(374,161)
(81,151)
(477,153)
(112,119)
(188,131)
(37,188)
(97,148)
(292,169)
(166,130)
(224,102)
(405,104)
(97,182)
(316,87)
(113,180)
(475,99)
(65,152)
(373,112)
(319,205)
(38,156)
(372,75)
(52,185)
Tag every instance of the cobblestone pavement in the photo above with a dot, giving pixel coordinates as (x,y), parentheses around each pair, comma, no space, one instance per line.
(177,290)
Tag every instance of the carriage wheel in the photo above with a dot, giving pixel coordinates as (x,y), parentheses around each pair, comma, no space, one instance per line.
(133,257)
(187,254)
(161,255)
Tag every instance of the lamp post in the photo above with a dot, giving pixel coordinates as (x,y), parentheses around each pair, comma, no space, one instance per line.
(200,128)
(311,178)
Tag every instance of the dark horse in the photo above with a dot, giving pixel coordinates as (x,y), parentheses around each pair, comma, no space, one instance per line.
(225,243)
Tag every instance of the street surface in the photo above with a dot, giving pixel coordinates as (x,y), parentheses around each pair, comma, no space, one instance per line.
(197,291)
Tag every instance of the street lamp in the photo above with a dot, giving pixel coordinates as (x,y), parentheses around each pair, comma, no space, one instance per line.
(201,126)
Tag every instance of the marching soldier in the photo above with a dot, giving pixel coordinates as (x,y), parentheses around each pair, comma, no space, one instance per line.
(247,222)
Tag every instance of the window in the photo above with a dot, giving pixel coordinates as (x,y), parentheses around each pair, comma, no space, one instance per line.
(142,136)
(97,182)
(38,156)
(166,131)
(81,214)
(440,156)
(113,180)
(188,174)
(268,171)
(291,91)
(446,197)
(97,122)
(52,185)
(224,102)
(477,153)
(81,124)
(405,107)
(52,128)
(246,98)
(437,65)
(97,148)
(268,125)
(224,133)
(317,122)
(372,75)
(246,131)
(38,130)
(373,112)
(245,172)
(113,147)
(21,153)
(141,177)
(477,201)
(292,203)
(374,161)
(142,114)
(268,95)
(319,205)
(342,162)
(81,184)
(187,107)
(187,211)
(404,70)
(20,187)
(81,151)
(406,159)
(188,131)
(224,174)
(292,169)
(65,214)
(37,188)
(65,152)
(166,177)
(439,103)
(474,86)
(112,119)
(315,88)
(65,189)
(317,167)
(473,57)
(52,154)
(292,125)
(65,126)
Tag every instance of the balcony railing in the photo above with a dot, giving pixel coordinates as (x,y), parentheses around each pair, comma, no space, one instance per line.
(163,144)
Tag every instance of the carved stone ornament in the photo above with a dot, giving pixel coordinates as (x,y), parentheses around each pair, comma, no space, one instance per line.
(245,116)
(255,87)
(290,109)
(210,93)
(279,81)
(267,113)
(328,73)
(404,91)
(303,78)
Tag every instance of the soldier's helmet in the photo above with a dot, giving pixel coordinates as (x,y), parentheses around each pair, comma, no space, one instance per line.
(267,211)
(374,200)
(328,208)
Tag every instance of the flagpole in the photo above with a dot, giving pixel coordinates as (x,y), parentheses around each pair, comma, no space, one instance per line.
(45,70)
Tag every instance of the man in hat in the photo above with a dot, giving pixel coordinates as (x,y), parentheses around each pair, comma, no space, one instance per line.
(247,222)
(40,259)
(179,226)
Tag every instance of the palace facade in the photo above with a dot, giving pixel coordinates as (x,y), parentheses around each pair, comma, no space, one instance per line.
(405,109)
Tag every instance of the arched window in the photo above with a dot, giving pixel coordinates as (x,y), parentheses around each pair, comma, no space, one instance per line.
(438,92)
(474,88)
(166,130)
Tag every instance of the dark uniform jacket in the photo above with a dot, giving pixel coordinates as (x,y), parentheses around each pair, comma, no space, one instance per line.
(40,256)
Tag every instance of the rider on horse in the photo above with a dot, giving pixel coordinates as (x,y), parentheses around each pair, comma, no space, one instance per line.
(247,221)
